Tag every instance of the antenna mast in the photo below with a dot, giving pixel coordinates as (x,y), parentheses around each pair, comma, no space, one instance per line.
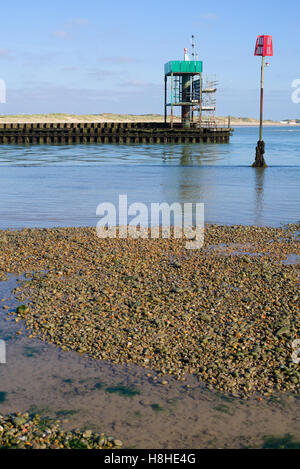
(193,47)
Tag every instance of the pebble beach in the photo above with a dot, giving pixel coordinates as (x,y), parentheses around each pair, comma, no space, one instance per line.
(227,313)
(22,431)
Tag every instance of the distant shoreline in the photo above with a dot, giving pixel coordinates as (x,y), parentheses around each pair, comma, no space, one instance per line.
(98,118)
(266,124)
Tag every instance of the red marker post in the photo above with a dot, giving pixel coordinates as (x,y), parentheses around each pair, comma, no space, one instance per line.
(263,48)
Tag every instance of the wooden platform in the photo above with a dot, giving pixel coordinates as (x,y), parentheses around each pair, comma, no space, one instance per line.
(138,132)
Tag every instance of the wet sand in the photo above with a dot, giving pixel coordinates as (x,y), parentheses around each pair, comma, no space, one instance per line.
(130,402)
(135,404)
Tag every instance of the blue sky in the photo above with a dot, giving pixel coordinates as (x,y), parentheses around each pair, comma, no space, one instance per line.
(97,56)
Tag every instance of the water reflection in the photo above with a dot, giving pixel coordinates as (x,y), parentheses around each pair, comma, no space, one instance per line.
(189,155)
(55,196)
(259,195)
(282,149)
(44,185)
(91,154)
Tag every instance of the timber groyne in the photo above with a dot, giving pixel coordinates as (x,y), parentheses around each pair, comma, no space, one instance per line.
(110,132)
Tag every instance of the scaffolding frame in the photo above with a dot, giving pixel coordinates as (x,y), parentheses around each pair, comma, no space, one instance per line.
(182,92)
(189,91)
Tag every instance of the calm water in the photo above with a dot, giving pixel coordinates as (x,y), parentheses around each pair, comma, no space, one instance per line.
(44,186)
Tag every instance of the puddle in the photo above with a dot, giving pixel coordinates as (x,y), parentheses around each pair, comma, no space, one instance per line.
(244,250)
(235,249)
(129,402)
(292,259)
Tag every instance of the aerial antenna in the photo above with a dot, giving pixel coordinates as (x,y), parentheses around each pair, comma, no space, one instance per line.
(193,47)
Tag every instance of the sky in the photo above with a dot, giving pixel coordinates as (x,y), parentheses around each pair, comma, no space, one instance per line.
(94,56)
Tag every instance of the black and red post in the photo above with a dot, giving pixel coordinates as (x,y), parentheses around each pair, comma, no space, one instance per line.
(264,48)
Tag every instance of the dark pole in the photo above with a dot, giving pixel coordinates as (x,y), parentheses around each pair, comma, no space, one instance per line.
(186,97)
(260,148)
(165,99)
(262,97)
(172,96)
(200,99)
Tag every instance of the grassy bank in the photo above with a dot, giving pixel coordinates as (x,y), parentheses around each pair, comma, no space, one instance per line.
(49,118)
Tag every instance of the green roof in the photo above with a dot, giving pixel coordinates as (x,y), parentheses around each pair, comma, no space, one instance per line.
(182,66)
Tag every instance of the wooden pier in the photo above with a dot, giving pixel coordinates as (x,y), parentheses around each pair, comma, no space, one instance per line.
(112,132)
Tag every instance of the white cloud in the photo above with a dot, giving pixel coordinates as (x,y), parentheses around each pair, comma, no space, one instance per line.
(46,97)
(121,60)
(79,21)
(142,87)
(70,25)
(70,69)
(136,84)
(101,74)
(5,54)
(209,16)
(61,34)
(34,59)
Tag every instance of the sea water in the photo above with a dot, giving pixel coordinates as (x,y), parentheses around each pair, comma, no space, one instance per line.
(62,185)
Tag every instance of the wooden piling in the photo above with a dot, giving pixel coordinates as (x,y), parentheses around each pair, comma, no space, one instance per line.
(114,133)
